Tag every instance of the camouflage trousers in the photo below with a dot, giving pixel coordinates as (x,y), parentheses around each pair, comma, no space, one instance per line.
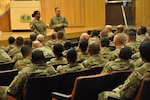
(104,95)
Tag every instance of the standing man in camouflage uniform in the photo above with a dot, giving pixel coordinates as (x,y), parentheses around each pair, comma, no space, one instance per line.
(58,22)
(130,87)
(38,26)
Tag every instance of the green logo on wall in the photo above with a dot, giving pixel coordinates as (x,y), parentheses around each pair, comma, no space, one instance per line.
(25,18)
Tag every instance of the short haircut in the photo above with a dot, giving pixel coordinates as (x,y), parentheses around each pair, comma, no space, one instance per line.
(105,42)
(38,57)
(145,50)
(104,34)
(125,53)
(56,8)
(94,33)
(132,34)
(19,40)
(143,29)
(58,49)
(33,36)
(11,40)
(67,45)
(83,45)
(71,55)
(25,50)
(28,43)
(60,35)
(94,47)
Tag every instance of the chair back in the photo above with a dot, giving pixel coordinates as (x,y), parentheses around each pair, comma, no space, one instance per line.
(6,66)
(144,90)
(88,87)
(40,88)
(7,76)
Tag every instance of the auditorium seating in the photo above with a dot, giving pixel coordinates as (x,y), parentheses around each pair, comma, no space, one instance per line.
(7,76)
(6,66)
(143,92)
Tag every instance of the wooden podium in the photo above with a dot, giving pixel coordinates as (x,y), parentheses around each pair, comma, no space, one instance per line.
(21,13)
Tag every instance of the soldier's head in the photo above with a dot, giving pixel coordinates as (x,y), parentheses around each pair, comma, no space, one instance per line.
(132,35)
(94,33)
(36,14)
(40,38)
(57,11)
(93,48)
(58,49)
(11,40)
(103,34)
(19,41)
(145,50)
(28,42)
(26,51)
(67,45)
(71,56)
(84,36)
(119,40)
(105,42)
(33,36)
(60,35)
(83,45)
(120,28)
(141,30)
(54,35)
(108,28)
(38,57)
(125,53)
(36,44)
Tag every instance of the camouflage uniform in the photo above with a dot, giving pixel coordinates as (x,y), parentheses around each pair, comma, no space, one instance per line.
(19,82)
(113,55)
(62,42)
(58,20)
(50,43)
(94,38)
(139,62)
(4,57)
(3,47)
(17,57)
(9,47)
(38,27)
(110,34)
(134,45)
(130,86)
(94,60)
(140,38)
(46,51)
(104,52)
(69,68)
(20,64)
(136,56)
(14,51)
(55,61)
(118,64)
(82,56)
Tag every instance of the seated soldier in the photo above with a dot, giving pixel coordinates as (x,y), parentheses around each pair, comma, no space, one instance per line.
(46,50)
(124,61)
(52,41)
(94,36)
(132,43)
(41,39)
(95,58)
(72,63)
(105,47)
(18,45)
(18,84)
(32,36)
(59,59)
(26,61)
(108,29)
(67,46)
(60,38)
(11,41)
(131,85)
(82,54)
(119,41)
(84,36)
(141,31)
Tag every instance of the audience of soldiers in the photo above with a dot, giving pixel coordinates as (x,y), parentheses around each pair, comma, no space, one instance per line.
(131,53)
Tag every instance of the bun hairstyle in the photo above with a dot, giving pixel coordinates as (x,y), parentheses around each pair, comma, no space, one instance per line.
(34,13)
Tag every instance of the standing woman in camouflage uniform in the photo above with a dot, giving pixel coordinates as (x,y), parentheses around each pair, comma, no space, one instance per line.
(37,26)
